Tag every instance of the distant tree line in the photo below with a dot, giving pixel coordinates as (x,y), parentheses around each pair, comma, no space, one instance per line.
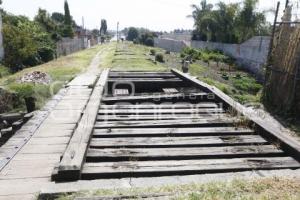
(31,42)
(140,36)
(228,23)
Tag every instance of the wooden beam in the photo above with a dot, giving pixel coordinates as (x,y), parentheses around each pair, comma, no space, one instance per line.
(159,117)
(288,143)
(213,122)
(171,142)
(159,106)
(184,167)
(71,164)
(161,111)
(170,132)
(148,154)
(156,98)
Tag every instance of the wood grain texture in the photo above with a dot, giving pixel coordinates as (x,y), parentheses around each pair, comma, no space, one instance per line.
(73,158)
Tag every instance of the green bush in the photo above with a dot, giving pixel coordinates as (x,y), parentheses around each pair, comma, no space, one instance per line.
(149,42)
(25,43)
(159,58)
(23,90)
(247,84)
(153,52)
(4,71)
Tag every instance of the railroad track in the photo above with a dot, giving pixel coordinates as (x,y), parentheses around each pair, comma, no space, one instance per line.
(147,124)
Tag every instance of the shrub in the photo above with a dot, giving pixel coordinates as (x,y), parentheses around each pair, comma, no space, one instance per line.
(225,76)
(23,90)
(167,52)
(159,58)
(133,34)
(153,52)
(149,42)
(247,84)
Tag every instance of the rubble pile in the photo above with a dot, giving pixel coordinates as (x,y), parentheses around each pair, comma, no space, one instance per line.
(36,77)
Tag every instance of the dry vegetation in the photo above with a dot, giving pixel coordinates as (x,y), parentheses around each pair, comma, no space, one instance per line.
(258,189)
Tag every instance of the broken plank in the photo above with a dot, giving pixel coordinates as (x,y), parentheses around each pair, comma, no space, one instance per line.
(184,167)
(145,154)
(215,122)
(74,156)
(169,142)
(166,132)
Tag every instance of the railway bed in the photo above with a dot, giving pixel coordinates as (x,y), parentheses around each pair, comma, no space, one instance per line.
(150,124)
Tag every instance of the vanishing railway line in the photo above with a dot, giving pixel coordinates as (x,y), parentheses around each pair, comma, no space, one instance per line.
(146,124)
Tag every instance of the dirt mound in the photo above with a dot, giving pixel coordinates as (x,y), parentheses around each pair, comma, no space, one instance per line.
(36,77)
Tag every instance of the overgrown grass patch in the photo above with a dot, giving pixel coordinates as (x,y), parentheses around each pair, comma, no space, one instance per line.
(260,189)
(247,84)
(4,71)
(61,71)
(132,57)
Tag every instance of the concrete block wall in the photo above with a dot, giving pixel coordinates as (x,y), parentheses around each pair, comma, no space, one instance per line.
(170,44)
(251,54)
(178,36)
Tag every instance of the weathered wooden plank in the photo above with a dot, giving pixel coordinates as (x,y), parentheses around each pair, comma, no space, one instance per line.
(73,158)
(180,96)
(144,154)
(164,132)
(160,106)
(160,111)
(184,167)
(136,73)
(159,117)
(146,80)
(214,122)
(170,90)
(166,142)
(269,130)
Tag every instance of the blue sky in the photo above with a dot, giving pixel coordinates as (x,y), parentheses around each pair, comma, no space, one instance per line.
(152,14)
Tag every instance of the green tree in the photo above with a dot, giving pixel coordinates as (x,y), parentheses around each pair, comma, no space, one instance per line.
(68,18)
(133,34)
(228,23)
(103,28)
(68,29)
(203,20)
(59,18)
(26,43)
(249,22)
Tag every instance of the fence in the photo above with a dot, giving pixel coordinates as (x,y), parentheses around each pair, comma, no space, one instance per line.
(282,89)
(67,45)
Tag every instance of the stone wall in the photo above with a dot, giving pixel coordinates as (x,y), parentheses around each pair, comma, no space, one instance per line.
(251,54)
(170,44)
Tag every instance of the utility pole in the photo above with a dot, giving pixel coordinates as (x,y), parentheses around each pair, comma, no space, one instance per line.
(118,31)
(287,3)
